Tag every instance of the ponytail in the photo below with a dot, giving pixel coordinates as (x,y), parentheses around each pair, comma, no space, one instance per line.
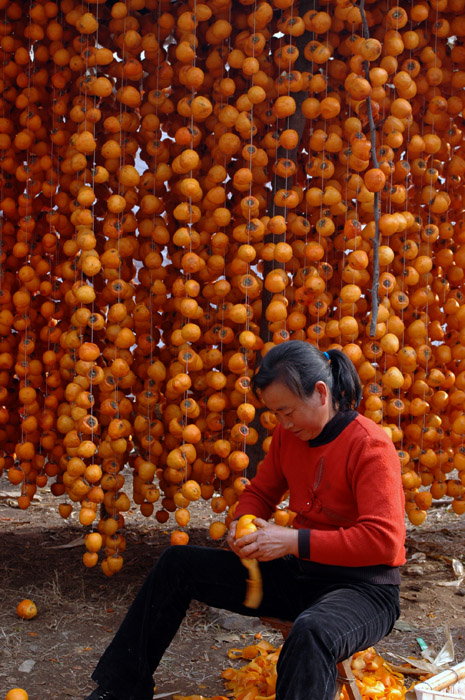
(346,389)
(300,365)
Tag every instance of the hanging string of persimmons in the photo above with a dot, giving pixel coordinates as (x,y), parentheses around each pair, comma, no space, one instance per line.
(163,167)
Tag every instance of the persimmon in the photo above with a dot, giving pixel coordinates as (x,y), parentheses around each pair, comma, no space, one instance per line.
(90,559)
(178,537)
(458,506)
(416,515)
(16,694)
(245,526)
(182,516)
(281,517)
(26,609)
(370,49)
(191,490)
(93,541)
(217,530)
(114,562)
(374,179)
(65,510)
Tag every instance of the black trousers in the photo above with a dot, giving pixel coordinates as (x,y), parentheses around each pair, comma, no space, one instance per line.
(332,619)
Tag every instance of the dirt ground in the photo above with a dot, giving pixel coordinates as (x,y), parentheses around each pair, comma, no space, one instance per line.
(53,655)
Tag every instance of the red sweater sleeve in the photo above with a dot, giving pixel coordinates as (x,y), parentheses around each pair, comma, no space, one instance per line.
(347,494)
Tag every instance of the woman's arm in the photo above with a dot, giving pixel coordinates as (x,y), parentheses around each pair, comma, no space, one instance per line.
(260,498)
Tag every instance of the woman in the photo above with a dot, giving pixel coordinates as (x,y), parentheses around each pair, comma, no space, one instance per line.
(335,573)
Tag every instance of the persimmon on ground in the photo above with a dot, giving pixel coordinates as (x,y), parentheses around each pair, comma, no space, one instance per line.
(26,609)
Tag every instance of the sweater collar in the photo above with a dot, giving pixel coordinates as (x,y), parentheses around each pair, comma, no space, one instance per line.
(333,428)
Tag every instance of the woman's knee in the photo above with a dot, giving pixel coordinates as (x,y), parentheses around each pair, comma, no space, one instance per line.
(189,558)
(309,630)
(173,557)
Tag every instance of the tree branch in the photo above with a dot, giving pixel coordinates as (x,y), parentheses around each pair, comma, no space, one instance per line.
(374,157)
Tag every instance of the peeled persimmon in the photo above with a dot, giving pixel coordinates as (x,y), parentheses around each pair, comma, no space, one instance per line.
(245,526)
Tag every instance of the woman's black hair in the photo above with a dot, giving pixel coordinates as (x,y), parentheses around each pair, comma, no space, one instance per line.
(300,365)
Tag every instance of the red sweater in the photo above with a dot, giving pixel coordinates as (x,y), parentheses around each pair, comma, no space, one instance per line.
(347,494)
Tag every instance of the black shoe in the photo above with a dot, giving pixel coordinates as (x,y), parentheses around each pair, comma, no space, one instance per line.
(101,694)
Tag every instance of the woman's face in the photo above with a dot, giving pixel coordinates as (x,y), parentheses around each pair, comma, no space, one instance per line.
(307,417)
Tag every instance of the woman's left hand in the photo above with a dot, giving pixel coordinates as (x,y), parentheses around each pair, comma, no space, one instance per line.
(270,541)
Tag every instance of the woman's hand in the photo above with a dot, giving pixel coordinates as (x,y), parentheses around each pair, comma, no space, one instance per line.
(230,539)
(270,541)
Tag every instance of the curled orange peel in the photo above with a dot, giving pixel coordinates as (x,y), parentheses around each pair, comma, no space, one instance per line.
(254,593)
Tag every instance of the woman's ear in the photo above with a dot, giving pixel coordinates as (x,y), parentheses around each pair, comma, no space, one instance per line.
(323,392)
